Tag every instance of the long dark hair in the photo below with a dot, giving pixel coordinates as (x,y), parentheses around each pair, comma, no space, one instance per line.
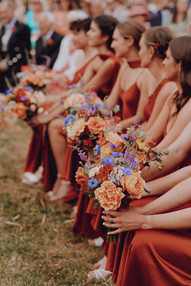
(180,48)
(107,25)
(159,38)
(175,14)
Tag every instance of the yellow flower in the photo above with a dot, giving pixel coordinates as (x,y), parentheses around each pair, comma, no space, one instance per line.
(142,145)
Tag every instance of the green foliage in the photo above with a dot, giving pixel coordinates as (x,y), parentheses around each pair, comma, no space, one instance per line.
(37,244)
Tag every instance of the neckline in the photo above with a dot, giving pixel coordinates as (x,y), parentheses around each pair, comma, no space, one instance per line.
(135,64)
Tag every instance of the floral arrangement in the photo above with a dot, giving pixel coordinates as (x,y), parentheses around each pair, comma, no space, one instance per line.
(37,77)
(87,121)
(24,101)
(116,179)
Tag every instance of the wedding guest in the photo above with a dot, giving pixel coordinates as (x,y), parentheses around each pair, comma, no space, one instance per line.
(161,17)
(14,45)
(61,23)
(86,6)
(140,14)
(117,10)
(97,8)
(178,20)
(32,18)
(48,44)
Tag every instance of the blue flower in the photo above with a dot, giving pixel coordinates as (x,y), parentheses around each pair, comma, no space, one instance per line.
(97,105)
(83,106)
(73,86)
(106,112)
(28,88)
(8,91)
(66,120)
(92,183)
(2,109)
(60,101)
(127,171)
(118,154)
(24,97)
(107,160)
(124,136)
(158,159)
(96,150)
(115,181)
(72,118)
(113,145)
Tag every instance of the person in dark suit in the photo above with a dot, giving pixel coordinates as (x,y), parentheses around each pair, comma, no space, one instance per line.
(14,45)
(48,44)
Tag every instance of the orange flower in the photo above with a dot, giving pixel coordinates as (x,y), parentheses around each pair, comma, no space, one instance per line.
(134,185)
(77,128)
(35,79)
(109,196)
(114,138)
(20,110)
(104,172)
(81,179)
(141,157)
(105,150)
(142,145)
(96,125)
(101,140)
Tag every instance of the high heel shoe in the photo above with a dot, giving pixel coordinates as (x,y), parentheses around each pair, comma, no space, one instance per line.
(32,178)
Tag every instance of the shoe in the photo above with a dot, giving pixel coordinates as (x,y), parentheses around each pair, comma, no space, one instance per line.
(96,242)
(99,274)
(29,178)
(71,197)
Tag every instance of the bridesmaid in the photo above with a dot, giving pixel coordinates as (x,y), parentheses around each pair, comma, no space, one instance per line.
(100,73)
(177,65)
(152,58)
(157,248)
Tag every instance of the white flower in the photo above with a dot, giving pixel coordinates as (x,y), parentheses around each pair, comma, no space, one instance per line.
(93,172)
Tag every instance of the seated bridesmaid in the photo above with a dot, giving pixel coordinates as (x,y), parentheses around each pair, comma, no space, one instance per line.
(153,45)
(174,67)
(125,43)
(156,250)
(34,157)
(100,73)
(177,65)
(175,113)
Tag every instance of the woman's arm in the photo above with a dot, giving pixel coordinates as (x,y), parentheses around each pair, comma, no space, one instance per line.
(183,118)
(178,152)
(165,183)
(166,92)
(102,76)
(156,214)
(113,98)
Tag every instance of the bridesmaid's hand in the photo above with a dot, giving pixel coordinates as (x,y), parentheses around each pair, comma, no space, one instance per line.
(124,220)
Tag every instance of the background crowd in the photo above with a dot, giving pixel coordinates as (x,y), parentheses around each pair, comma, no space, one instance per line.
(100,54)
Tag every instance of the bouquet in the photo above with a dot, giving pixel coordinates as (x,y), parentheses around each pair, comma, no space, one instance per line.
(25,101)
(37,77)
(117,179)
(88,120)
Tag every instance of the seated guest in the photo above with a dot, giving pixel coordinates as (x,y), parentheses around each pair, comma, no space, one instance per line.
(14,44)
(48,44)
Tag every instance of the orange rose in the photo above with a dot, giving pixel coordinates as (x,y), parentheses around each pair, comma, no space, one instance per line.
(76,129)
(109,196)
(114,138)
(105,150)
(20,110)
(81,179)
(104,172)
(76,99)
(134,185)
(96,125)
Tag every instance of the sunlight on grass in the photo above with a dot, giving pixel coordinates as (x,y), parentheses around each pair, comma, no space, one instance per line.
(37,245)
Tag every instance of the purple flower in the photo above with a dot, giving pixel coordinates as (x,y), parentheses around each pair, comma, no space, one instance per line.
(28,88)
(2,109)
(127,171)
(73,86)
(113,145)
(107,160)
(133,137)
(82,154)
(118,154)
(124,136)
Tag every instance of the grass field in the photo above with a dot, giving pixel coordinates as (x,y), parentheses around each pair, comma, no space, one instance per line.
(37,245)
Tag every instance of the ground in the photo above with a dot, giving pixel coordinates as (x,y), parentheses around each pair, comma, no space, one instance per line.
(37,245)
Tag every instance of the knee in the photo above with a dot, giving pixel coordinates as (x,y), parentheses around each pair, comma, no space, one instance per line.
(54,125)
